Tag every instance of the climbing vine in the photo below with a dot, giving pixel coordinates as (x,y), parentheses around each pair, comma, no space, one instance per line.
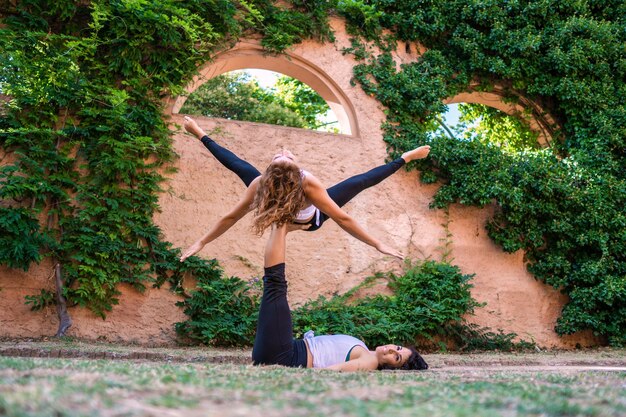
(84,140)
(83,134)
(563,206)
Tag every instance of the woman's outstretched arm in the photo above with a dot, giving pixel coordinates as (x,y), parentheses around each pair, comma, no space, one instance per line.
(317,194)
(365,363)
(362,360)
(243,207)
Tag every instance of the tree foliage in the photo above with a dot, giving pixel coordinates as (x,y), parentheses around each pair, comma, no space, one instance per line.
(238,96)
(305,102)
(491,126)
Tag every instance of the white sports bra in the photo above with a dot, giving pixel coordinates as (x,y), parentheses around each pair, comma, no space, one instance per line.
(307,212)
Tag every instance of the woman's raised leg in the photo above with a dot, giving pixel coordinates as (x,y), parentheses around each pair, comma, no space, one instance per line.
(346,190)
(244,170)
(274,342)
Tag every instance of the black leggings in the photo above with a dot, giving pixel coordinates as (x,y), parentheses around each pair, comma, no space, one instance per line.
(243,169)
(340,193)
(274,343)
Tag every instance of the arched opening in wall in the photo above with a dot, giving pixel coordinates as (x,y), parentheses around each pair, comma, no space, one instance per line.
(262,96)
(465,121)
(487,116)
(250,54)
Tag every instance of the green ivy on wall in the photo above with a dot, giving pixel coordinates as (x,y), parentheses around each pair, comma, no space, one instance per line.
(85,133)
(563,206)
(86,141)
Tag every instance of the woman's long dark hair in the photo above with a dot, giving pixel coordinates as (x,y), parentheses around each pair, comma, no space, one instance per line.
(414,363)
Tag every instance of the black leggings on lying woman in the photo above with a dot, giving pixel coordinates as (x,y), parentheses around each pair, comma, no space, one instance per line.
(340,193)
(274,342)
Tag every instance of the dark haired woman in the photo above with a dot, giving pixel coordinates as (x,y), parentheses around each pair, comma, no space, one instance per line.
(274,343)
(287,194)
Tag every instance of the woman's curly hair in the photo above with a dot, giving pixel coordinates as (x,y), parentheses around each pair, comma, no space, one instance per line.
(280,196)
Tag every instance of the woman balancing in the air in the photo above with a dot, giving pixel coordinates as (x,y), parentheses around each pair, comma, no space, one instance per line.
(274,343)
(285,193)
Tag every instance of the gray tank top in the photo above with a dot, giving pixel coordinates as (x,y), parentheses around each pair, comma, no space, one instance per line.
(331,349)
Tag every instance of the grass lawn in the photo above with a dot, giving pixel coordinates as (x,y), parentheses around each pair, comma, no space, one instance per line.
(190,384)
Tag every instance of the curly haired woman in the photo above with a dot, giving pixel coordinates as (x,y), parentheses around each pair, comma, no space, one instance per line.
(274,343)
(285,193)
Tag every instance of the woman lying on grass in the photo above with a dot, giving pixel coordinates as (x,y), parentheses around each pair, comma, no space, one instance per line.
(274,343)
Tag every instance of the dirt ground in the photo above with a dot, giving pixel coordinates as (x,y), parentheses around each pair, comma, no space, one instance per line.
(604,359)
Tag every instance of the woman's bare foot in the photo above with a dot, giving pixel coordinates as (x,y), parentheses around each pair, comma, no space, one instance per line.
(192,127)
(417,153)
